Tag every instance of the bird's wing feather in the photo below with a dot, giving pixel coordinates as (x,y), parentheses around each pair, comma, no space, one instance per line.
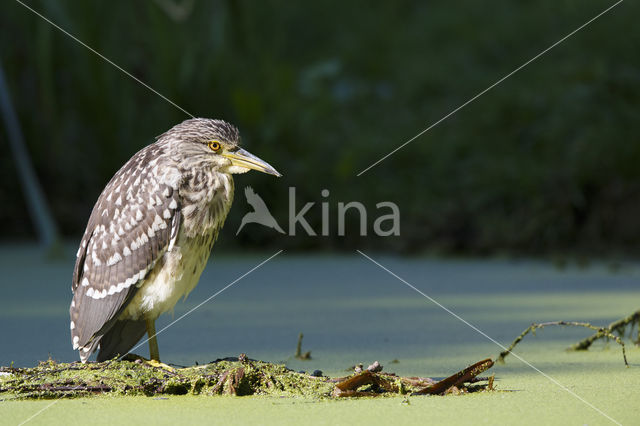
(133,223)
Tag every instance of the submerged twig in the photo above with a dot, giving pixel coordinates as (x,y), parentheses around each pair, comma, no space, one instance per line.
(304,356)
(533,327)
(616,326)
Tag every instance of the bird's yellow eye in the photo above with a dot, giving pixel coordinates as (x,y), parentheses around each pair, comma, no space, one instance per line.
(215,146)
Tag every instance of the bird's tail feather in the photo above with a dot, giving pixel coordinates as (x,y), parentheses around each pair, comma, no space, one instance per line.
(121,338)
(86,351)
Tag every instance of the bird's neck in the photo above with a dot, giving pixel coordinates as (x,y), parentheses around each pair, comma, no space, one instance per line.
(206,197)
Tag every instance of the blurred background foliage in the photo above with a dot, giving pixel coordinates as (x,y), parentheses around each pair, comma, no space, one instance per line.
(546,162)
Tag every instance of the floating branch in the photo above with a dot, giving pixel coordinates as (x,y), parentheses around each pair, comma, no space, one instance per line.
(533,327)
(457,380)
(380,383)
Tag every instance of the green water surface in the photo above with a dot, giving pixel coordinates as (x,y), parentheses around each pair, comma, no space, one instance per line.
(353,312)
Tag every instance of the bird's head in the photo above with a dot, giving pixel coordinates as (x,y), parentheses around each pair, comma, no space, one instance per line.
(203,141)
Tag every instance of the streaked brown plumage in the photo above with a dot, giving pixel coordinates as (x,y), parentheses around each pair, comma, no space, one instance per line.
(150,234)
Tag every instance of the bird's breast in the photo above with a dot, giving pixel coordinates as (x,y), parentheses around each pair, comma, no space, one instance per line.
(174,276)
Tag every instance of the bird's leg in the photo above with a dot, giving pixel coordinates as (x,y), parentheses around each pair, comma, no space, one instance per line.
(154,353)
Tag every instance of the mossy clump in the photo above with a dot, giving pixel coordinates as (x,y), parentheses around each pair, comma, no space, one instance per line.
(237,376)
(53,380)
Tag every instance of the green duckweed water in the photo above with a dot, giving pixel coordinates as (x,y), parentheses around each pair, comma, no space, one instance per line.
(352,312)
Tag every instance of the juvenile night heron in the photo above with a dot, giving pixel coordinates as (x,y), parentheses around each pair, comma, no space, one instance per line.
(150,234)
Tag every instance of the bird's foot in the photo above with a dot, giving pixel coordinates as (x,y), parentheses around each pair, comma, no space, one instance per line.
(157,364)
(150,362)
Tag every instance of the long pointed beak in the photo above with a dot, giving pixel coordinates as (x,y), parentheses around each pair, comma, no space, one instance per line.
(246,159)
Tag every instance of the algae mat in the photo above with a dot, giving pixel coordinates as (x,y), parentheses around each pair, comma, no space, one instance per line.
(352,312)
(522,398)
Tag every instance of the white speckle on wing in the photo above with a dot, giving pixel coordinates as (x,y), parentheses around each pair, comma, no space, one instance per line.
(173,205)
(97,294)
(85,282)
(114,259)
(166,214)
(157,223)
(72,325)
(94,257)
(76,341)
(126,251)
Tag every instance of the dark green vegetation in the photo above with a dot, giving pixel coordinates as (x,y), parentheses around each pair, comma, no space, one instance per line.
(546,161)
